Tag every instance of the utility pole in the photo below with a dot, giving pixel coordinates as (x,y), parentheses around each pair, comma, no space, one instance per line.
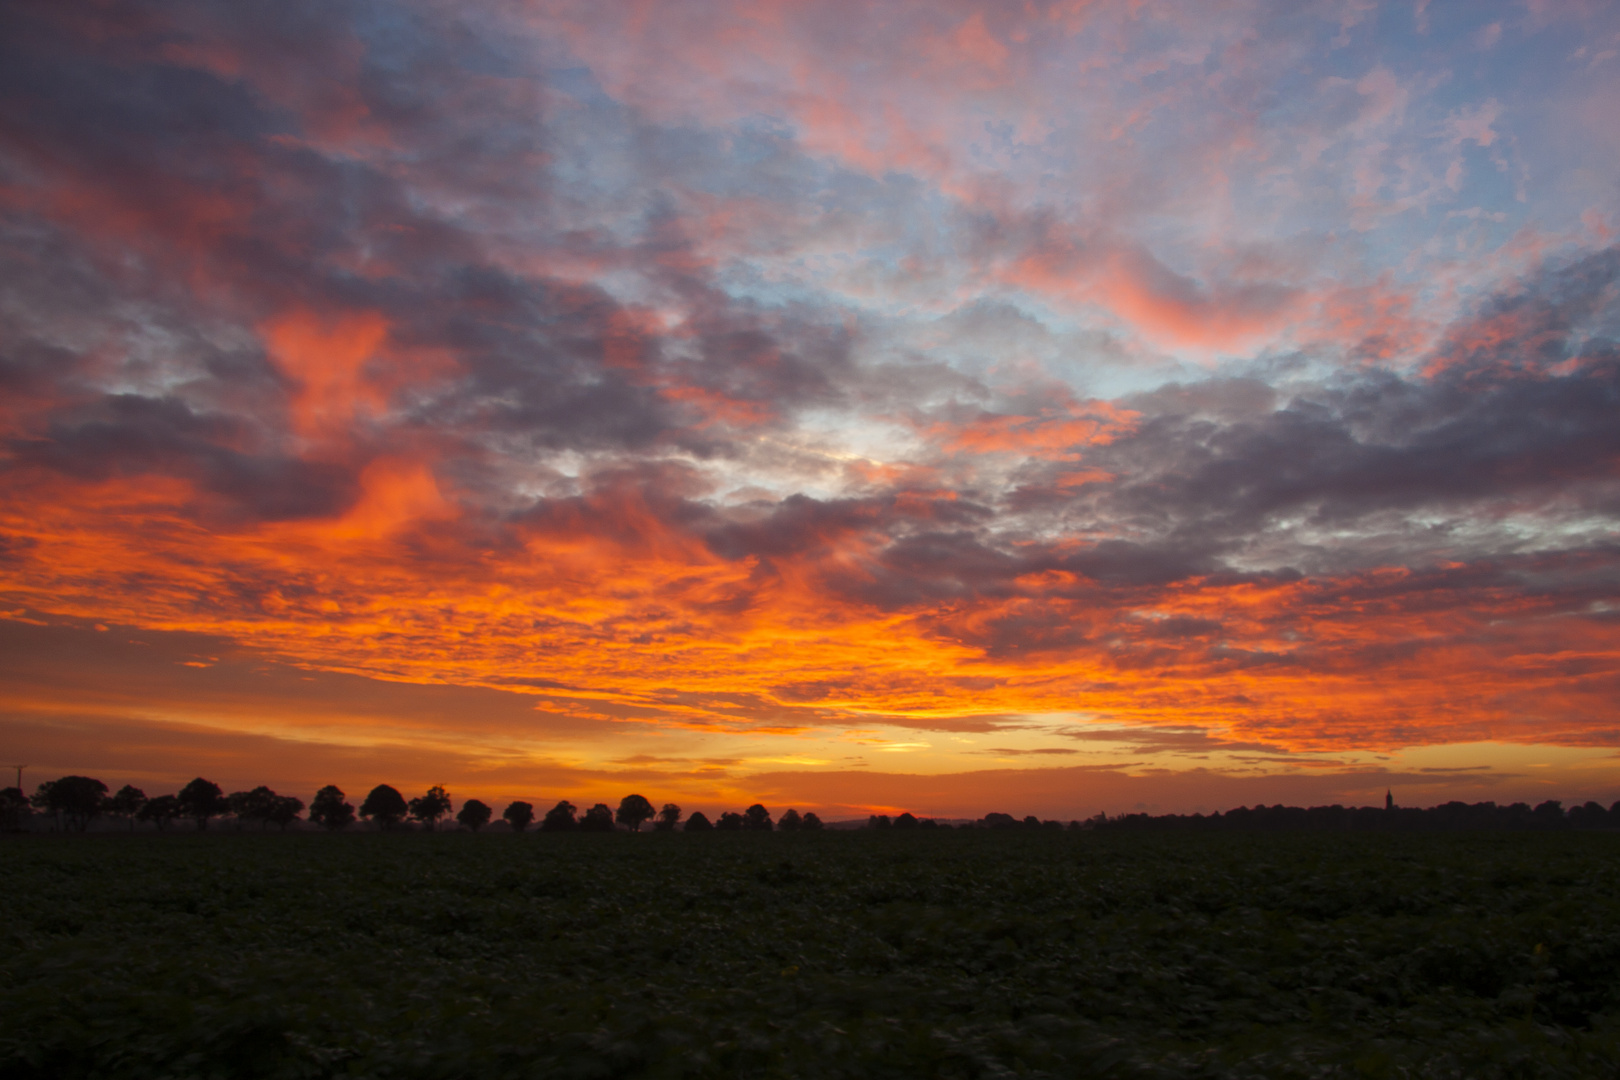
(19,769)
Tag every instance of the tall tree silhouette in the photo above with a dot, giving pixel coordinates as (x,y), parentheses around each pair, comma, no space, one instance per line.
(668,817)
(385,805)
(201,799)
(790,821)
(758,818)
(475,814)
(518,816)
(126,803)
(429,808)
(256,805)
(283,811)
(633,810)
(75,800)
(597,819)
(161,810)
(559,818)
(330,810)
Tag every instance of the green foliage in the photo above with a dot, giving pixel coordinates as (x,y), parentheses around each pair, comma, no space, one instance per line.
(834,954)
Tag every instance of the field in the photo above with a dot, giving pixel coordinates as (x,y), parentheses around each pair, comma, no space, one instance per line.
(813,955)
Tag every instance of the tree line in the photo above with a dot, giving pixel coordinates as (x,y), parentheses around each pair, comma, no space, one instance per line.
(73,802)
(76,801)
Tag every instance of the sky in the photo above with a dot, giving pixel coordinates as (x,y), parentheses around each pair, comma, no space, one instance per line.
(1049,407)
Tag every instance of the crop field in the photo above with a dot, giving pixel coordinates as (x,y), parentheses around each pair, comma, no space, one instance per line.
(922,954)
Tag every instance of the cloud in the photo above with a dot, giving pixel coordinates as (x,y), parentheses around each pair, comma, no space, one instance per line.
(779,370)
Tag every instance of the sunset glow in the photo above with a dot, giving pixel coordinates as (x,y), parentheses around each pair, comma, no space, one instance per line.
(946,407)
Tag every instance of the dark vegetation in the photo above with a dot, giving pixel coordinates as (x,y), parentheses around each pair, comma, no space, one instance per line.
(899,952)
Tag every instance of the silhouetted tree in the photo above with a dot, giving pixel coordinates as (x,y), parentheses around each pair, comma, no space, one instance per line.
(699,822)
(201,799)
(385,805)
(13,809)
(668,817)
(518,816)
(1032,822)
(1550,814)
(927,823)
(559,818)
(598,818)
(758,818)
(429,808)
(126,803)
(284,810)
(633,810)
(1589,815)
(812,820)
(330,810)
(790,821)
(255,805)
(730,821)
(161,810)
(1000,821)
(878,821)
(907,820)
(474,815)
(75,799)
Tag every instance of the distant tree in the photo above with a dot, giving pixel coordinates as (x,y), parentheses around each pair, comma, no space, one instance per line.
(812,820)
(907,820)
(668,817)
(284,810)
(77,800)
(13,809)
(559,818)
(730,821)
(161,810)
(518,816)
(633,810)
(878,821)
(385,805)
(255,805)
(1000,821)
(1550,814)
(1032,822)
(1589,815)
(429,808)
(126,803)
(790,821)
(330,810)
(474,815)
(201,799)
(757,818)
(699,822)
(598,818)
